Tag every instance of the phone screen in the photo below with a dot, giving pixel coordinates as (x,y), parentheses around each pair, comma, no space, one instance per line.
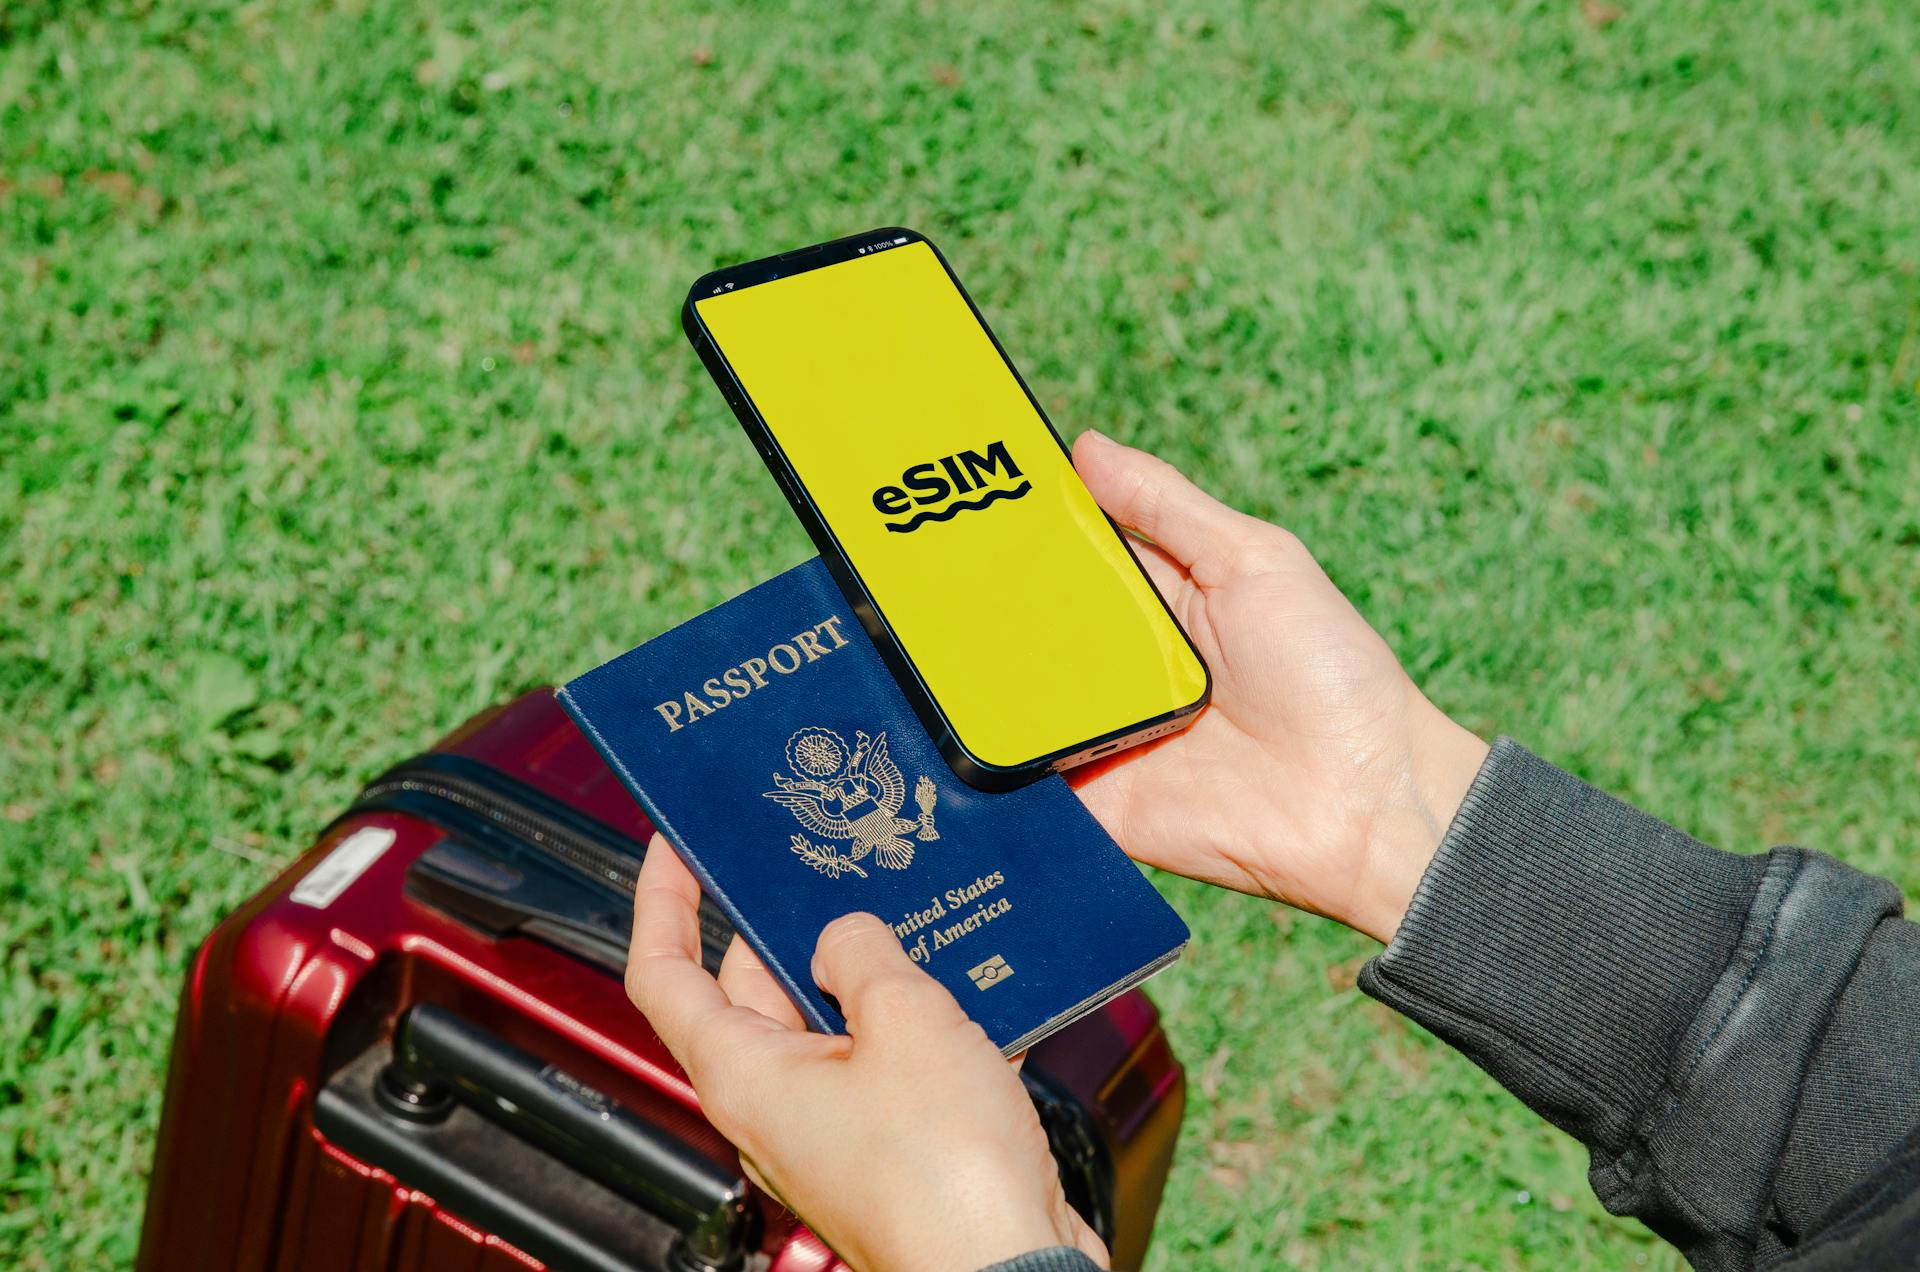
(1018,604)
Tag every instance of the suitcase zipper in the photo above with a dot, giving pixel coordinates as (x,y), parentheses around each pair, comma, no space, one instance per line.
(487,793)
(478,801)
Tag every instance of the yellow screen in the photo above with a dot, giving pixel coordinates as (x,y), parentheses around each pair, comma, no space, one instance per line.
(1020,607)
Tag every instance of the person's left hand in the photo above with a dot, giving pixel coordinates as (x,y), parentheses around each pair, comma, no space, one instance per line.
(908,1146)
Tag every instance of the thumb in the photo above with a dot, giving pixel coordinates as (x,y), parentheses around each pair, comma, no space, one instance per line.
(859,961)
(1152,498)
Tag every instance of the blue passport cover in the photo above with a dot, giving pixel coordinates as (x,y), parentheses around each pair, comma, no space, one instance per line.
(769,743)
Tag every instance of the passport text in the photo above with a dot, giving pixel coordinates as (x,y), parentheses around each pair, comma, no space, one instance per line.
(736,682)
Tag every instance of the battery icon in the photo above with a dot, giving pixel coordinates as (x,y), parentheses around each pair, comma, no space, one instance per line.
(897,242)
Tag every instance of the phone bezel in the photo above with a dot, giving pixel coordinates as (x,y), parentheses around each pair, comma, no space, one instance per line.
(970,767)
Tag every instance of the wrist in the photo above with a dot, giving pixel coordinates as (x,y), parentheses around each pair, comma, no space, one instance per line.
(968,1238)
(1441,761)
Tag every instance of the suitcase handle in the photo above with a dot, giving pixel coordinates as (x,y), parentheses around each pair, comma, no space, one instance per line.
(438,1054)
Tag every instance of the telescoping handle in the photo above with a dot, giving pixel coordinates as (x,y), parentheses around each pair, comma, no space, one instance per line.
(437,1052)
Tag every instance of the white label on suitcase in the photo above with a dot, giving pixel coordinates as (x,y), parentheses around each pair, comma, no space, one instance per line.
(326,881)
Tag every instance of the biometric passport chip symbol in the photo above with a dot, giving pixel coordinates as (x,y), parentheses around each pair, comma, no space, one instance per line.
(851,795)
(990,973)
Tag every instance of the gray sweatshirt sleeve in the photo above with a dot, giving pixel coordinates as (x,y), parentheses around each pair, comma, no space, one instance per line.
(1057,1259)
(1736,1039)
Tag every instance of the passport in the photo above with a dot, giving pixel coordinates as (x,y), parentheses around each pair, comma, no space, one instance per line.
(769,743)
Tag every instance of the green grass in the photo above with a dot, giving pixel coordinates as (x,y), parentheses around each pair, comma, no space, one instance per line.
(342,393)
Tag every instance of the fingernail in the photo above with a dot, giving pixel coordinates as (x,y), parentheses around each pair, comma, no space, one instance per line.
(1099,438)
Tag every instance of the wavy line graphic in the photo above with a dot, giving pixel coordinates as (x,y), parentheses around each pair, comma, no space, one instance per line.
(956,507)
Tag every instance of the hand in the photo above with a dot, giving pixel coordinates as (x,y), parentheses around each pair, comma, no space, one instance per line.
(909,1146)
(1319,775)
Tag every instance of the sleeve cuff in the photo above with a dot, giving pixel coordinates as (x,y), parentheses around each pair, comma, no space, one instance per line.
(1057,1259)
(1564,941)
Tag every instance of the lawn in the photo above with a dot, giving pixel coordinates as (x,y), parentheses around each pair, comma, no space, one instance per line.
(342,393)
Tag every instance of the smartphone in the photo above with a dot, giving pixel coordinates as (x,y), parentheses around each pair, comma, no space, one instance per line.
(1019,625)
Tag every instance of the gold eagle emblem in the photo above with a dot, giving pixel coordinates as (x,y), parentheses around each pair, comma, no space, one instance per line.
(853,796)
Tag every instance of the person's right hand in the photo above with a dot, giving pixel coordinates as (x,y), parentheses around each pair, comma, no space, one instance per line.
(1318,775)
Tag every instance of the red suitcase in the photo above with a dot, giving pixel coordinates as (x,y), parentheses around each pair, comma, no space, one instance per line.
(413,1051)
